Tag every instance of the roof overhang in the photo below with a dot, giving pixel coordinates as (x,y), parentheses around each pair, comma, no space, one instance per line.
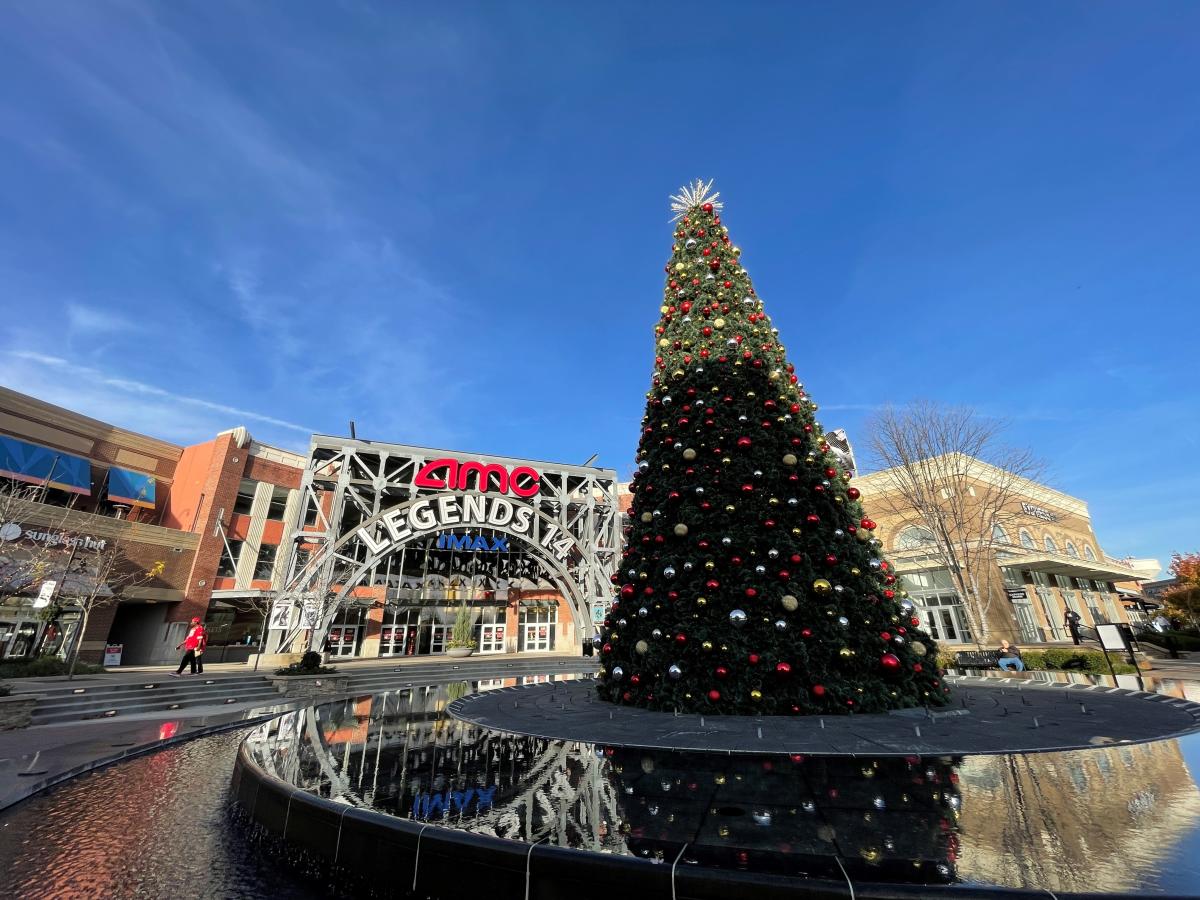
(1059,564)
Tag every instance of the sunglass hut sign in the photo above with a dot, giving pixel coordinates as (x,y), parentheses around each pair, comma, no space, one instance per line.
(438,513)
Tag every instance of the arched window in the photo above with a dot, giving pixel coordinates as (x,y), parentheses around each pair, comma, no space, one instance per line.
(1087,551)
(1027,540)
(1050,545)
(999,535)
(1071,551)
(914,536)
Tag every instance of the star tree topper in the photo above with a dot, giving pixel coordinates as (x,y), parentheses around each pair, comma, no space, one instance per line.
(692,195)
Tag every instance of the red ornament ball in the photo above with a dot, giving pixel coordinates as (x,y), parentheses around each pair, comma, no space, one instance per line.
(818,690)
(721,672)
(890,662)
(681,638)
(714,695)
(853,493)
(707,207)
(754,658)
(783,668)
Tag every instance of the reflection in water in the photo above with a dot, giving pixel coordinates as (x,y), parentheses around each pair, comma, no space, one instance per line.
(1109,818)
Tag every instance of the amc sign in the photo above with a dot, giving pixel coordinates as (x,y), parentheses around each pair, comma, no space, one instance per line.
(452,475)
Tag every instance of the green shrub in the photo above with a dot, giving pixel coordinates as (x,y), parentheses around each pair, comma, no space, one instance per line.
(1034,659)
(44,667)
(310,664)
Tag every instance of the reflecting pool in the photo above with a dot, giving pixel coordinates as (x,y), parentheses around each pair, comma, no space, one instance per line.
(1115,818)
(1121,819)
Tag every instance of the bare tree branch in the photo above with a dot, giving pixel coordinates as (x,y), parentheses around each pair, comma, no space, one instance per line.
(949,467)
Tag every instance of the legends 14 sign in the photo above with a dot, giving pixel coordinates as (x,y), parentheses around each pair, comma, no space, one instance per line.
(439,513)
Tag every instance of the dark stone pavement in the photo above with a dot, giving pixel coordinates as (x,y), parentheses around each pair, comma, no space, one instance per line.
(987,717)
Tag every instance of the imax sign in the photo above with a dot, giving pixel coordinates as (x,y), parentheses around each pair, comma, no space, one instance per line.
(499,543)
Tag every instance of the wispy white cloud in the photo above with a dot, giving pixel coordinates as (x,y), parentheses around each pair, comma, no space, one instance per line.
(85,377)
(89,320)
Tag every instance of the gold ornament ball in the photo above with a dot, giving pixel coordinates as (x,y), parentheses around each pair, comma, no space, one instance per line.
(756,695)
(707,646)
(862,534)
(647,517)
(789,459)
(664,343)
(822,586)
(641,647)
(796,532)
(718,323)
(689,454)
(789,602)
(723,831)
(702,601)
(845,653)
(725,460)
(642,576)
(709,565)
(870,854)
(856,571)
(718,779)
(681,530)
(730,508)
(919,648)
(679,267)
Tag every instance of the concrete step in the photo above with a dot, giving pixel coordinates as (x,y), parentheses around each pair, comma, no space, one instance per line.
(133,689)
(98,709)
(180,693)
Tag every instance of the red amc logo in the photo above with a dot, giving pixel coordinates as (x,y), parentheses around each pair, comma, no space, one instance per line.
(522,480)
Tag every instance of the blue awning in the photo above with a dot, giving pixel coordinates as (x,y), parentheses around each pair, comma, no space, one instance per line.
(134,488)
(41,465)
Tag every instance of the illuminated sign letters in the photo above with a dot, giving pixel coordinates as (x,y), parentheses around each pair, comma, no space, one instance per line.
(434,514)
(451,475)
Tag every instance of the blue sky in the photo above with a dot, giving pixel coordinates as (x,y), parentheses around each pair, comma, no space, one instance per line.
(449,222)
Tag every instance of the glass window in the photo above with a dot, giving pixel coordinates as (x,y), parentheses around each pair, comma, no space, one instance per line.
(245,497)
(1013,578)
(912,537)
(1087,552)
(279,499)
(1027,540)
(999,535)
(1071,551)
(266,561)
(1050,545)
(228,566)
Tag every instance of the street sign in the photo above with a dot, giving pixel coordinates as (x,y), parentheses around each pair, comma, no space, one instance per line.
(45,594)
(1110,637)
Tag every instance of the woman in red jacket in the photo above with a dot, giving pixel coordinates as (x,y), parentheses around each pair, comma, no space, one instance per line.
(193,644)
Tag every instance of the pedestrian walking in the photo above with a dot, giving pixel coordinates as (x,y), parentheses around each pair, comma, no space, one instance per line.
(1071,620)
(193,646)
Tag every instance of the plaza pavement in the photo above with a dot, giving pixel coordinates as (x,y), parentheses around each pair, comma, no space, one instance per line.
(34,758)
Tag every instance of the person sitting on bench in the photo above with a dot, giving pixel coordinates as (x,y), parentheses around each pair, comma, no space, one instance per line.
(1010,657)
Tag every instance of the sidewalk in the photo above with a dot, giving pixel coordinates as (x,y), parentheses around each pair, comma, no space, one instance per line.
(137,674)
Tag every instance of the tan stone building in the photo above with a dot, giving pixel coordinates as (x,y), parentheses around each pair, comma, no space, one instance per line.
(1039,559)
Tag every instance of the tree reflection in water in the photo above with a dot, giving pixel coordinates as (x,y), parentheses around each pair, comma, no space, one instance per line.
(885,819)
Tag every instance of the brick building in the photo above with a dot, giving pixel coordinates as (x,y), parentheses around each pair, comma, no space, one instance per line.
(226,517)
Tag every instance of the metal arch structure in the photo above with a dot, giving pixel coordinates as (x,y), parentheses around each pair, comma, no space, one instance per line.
(354,492)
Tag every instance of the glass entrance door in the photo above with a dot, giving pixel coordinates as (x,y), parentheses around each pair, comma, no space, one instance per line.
(343,640)
(1026,623)
(537,636)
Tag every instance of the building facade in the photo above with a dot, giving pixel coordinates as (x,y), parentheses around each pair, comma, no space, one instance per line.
(1040,560)
(237,524)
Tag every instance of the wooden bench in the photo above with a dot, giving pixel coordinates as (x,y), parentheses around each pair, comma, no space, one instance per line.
(977,659)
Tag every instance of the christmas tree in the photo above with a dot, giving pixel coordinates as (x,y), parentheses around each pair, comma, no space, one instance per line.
(751,582)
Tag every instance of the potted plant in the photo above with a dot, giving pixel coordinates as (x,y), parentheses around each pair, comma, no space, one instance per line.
(462,635)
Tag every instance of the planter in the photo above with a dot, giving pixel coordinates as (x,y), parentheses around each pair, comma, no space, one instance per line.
(276,660)
(311,685)
(16,710)
(460,652)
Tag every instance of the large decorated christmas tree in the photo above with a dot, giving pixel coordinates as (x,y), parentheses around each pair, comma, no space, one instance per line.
(751,582)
